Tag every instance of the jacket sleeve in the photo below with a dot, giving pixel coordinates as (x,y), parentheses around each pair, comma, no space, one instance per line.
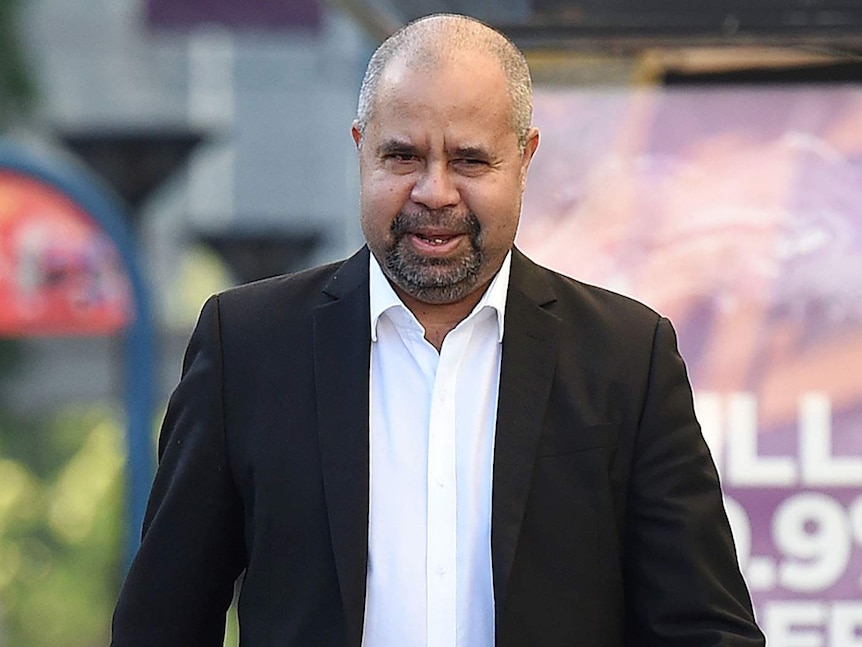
(181,582)
(684,586)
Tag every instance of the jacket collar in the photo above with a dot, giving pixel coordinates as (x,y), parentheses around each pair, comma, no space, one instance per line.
(530,348)
(341,363)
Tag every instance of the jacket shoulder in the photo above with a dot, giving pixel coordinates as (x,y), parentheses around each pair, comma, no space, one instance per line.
(584,305)
(298,285)
(287,298)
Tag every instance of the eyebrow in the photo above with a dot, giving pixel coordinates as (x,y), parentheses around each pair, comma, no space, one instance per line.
(472,152)
(403,147)
(395,146)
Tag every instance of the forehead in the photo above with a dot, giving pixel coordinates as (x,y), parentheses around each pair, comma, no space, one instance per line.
(462,95)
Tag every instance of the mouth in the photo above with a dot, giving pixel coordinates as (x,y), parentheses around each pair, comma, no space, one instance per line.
(435,239)
(436,235)
(435,243)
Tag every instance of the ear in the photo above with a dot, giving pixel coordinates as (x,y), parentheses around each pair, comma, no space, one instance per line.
(530,147)
(357,136)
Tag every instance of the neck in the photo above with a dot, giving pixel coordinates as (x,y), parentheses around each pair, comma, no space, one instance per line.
(439,318)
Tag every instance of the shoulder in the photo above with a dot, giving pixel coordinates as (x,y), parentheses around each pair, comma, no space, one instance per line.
(273,320)
(287,302)
(589,308)
(300,285)
(301,290)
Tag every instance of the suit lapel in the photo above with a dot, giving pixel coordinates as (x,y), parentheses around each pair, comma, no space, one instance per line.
(341,351)
(530,346)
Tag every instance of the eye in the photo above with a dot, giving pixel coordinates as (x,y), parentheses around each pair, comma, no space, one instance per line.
(470,165)
(401,163)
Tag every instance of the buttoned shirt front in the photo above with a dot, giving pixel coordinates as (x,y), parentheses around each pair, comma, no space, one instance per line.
(432,419)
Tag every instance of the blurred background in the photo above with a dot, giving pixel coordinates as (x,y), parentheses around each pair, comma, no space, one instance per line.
(705,157)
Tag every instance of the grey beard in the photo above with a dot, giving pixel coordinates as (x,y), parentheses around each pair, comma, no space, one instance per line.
(434,280)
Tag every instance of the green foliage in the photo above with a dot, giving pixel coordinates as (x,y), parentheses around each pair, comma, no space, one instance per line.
(61,497)
(62,531)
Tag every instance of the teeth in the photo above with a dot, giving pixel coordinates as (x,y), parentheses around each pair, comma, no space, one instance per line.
(435,240)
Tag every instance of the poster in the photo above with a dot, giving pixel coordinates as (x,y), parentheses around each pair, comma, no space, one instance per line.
(737,213)
(60,274)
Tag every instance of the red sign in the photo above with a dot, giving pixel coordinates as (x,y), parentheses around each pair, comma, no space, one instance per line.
(60,274)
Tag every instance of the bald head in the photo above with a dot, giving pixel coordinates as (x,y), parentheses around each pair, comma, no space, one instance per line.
(439,40)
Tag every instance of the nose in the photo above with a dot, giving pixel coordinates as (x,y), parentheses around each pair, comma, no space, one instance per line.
(434,187)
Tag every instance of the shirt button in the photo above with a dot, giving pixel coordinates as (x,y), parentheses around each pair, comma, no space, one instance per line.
(443,394)
(439,569)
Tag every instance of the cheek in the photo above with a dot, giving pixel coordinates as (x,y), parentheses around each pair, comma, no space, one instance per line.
(380,203)
(498,212)
(386,191)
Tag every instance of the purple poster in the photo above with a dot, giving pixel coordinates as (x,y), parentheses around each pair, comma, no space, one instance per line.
(737,212)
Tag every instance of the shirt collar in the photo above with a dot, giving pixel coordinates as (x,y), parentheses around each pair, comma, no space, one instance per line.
(382,296)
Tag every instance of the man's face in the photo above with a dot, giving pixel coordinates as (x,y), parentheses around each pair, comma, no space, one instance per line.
(441,177)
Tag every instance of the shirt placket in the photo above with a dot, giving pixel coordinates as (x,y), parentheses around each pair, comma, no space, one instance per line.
(442,497)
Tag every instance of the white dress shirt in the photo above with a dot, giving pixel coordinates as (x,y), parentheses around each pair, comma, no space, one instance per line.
(432,419)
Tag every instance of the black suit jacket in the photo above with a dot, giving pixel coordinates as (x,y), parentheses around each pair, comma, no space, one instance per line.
(607,522)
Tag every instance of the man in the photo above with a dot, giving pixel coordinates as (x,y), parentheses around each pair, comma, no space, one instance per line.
(437,443)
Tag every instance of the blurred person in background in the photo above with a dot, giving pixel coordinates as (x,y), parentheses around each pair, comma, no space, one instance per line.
(436,441)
